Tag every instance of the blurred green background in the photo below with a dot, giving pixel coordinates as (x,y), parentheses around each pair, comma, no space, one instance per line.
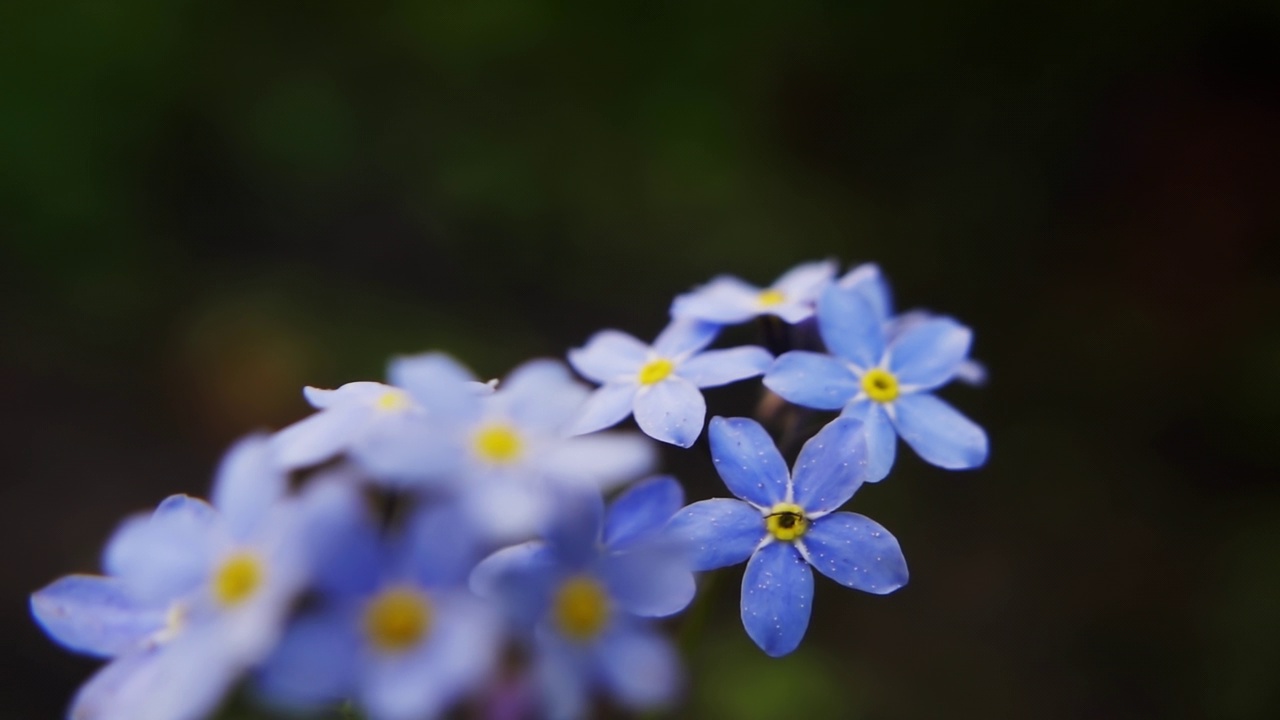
(206,205)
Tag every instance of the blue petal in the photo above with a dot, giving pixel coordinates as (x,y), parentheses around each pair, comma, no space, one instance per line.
(316,438)
(521,577)
(95,615)
(642,511)
(972,372)
(939,433)
(812,380)
(721,367)
(882,439)
(162,556)
(850,327)
(435,549)
(600,461)
(748,462)
(650,580)
(640,668)
(671,411)
(683,337)
(340,536)
(575,532)
(726,300)
(564,675)
(609,356)
(930,352)
(831,466)
(405,449)
(539,394)
(777,598)
(607,406)
(718,533)
(247,485)
(429,375)
(867,281)
(315,663)
(352,393)
(857,552)
(805,281)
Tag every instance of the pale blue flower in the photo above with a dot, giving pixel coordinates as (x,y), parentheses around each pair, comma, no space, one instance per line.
(661,384)
(727,300)
(194,595)
(783,524)
(885,381)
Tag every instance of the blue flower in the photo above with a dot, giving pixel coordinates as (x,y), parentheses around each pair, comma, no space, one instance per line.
(782,525)
(661,383)
(194,595)
(727,300)
(885,382)
(394,627)
(585,593)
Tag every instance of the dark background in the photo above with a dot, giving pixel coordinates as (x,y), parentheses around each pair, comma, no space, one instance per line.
(206,205)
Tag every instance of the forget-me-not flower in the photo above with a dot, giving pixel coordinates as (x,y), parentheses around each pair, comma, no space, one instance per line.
(586,592)
(885,382)
(661,384)
(726,300)
(394,627)
(194,595)
(783,524)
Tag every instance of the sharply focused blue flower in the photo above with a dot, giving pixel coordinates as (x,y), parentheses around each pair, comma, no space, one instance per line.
(394,627)
(584,593)
(194,595)
(885,381)
(727,300)
(661,383)
(783,524)
(869,283)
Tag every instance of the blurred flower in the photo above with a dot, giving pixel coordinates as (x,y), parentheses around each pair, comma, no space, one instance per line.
(659,383)
(194,595)
(885,382)
(583,594)
(395,628)
(783,524)
(727,300)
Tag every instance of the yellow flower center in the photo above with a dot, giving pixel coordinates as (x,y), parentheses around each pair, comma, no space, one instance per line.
(880,385)
(786,521)
(237,579)
(769,298)
(393,401)
(397,619)
(656,371)
(499,444)
(580,609)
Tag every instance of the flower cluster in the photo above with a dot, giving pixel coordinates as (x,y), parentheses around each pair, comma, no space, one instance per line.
(437,540)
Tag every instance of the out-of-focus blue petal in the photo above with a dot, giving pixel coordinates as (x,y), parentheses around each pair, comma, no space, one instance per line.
(493,575)
(805,281)
(928,353)
(857,552)
(606,407)
(831,466)
(187,509)
(316,438)
(972,372)
(438,550)
(747,460)
(339,535)
(939,433)
(718,532)
(95,615)
(850,327)
(457,655)
(721,367)
(350,393)
(867,281)
(600,461)
(440,383)
(777,598)
(507,507)
(162,556)
(882,438)
(639,668)
(406,450)
(575,532)
(684,336)
(540,394)
(812,380)
(564,673)
(609,356)
(726,300)
(671,411)
(315,663)
(247,484)
(651,580)
(642,511)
